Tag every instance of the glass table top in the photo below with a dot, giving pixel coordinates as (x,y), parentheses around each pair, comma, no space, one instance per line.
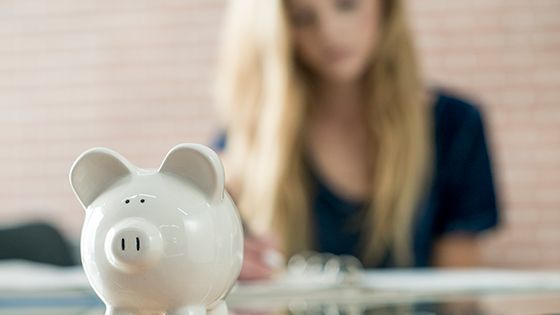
(543,302)
(28,289)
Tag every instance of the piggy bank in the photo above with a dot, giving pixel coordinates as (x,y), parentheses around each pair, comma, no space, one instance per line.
(165,241)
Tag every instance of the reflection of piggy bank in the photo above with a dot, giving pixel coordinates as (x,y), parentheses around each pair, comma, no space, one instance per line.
(166,241)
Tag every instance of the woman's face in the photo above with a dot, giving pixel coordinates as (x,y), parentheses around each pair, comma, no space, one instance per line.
(335,38)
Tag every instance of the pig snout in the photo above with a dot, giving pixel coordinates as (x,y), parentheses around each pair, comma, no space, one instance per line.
(133,245)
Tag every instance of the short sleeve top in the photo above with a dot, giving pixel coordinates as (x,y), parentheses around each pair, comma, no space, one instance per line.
(461,199)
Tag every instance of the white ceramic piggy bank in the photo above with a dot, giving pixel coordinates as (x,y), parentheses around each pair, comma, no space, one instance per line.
(165,241)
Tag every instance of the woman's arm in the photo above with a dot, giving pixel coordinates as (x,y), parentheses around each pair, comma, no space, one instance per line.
(456,251)
(468,195)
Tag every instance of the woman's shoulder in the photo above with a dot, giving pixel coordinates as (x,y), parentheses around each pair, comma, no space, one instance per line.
(455,114)
(453,107)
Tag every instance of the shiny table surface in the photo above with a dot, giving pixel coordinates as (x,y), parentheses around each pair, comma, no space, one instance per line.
(410,292)
(487,303)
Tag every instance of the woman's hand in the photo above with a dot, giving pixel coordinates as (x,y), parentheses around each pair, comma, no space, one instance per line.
(261,259)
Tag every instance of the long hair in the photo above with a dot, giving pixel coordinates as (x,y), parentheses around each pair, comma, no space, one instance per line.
(264,96)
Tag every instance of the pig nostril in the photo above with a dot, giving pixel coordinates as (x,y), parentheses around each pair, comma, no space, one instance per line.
(133,245)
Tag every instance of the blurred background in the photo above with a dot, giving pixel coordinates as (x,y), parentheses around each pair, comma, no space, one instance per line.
(136,76)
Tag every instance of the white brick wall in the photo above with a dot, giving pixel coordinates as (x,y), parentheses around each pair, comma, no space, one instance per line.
(131,75)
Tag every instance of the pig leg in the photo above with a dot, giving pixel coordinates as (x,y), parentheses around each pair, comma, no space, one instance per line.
(219,309)
(189,310)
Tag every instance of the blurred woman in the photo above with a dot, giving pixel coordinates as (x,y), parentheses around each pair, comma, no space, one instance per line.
(333,143)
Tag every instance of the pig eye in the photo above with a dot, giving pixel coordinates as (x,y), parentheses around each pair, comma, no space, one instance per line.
(127,201)
(142,200)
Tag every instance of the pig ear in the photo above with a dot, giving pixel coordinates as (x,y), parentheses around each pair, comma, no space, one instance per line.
(95,171)
(198,165)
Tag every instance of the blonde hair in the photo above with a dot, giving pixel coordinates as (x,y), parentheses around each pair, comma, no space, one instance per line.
(264,98)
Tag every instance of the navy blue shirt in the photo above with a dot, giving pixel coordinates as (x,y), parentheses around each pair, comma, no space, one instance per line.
(461,199)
